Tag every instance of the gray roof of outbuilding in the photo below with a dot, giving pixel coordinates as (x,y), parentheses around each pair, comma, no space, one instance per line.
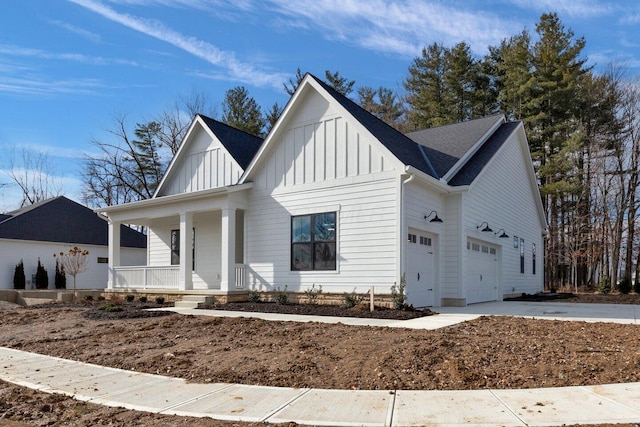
(62,220)
(241,145)
(472,168)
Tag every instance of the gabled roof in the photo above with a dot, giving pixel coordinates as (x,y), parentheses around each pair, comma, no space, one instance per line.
(446,145)
(472,168)
(62,220)
(241,145)
(406,150)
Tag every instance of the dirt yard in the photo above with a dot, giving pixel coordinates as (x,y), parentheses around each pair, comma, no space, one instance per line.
(490,352)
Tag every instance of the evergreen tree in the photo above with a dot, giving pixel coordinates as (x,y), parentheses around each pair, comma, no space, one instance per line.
(382,103)
(459,80)
(293,84)
(19,279)
(427,93)
(242,111)
(340,83)
(60,279)
(273,115)
(144,159)
(42,278)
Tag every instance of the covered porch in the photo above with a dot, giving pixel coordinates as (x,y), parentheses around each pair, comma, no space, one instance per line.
(195,242)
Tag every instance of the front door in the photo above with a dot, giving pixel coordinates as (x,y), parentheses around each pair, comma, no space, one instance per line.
(420,274)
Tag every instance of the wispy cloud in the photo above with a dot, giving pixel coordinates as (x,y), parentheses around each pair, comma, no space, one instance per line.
(37,85)
(13,50)
(401,27)
(235,68)
(77,30)
(571,8)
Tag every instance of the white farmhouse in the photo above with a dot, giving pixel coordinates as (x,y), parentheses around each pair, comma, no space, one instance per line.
(335,197)
(56,225)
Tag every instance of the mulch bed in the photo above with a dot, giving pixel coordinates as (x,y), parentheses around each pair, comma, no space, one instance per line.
(360,311)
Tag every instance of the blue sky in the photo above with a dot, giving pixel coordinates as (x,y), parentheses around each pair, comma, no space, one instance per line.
(68,67)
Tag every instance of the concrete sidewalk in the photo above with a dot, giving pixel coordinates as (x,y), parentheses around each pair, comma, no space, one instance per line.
(617,403)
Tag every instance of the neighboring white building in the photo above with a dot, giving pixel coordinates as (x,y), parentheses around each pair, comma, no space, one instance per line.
(56,225)
(335,197)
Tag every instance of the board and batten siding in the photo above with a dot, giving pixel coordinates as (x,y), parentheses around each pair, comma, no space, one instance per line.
(95,277)
(205,165)
(503,197)
(366,237)
(208,237)
(321,162)
(452,253)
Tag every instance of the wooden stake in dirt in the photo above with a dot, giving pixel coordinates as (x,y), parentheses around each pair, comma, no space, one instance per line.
(371,299)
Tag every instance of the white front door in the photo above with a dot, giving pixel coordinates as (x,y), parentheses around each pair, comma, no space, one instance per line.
(482,278)
(420,274)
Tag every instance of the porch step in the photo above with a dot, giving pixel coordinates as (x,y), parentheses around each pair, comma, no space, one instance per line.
(194,301)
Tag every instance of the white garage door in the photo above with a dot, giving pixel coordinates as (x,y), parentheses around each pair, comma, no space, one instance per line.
(420,269)
(482,278)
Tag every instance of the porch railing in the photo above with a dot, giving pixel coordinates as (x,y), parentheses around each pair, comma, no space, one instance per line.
(241,276)
(147,277)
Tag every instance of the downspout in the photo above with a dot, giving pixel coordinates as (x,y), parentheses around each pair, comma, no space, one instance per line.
(402,232)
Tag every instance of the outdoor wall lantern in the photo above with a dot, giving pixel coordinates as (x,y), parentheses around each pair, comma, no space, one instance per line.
(434,219)
(504,235)
(486,228)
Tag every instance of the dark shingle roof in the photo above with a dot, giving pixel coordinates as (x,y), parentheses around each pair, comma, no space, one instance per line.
(479,160)
(445,145)
(65,221)
(406,150)
(241,145)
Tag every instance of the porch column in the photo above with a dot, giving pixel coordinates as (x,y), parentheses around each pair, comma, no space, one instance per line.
(113,253)
(228,273)
(186,251)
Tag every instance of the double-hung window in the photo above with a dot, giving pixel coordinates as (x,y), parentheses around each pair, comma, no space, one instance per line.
(313,242)
(175,248)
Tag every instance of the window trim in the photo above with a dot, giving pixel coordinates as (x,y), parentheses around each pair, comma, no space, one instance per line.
(312,243)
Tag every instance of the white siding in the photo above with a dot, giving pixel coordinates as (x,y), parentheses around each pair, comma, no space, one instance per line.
(452,252)
(208,238)
(318,149)
(366,236)
(95,277)
(205,164)
(502,196)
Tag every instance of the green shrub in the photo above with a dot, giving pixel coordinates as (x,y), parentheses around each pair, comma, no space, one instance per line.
(108,307)
(160,300)
(350,300)
(19,279)
(129,298)
(281,297)
(624,286)
(604,285)
(143,299)
(42,277)
(254,296)
(312,294)
(60,279)
(398,294)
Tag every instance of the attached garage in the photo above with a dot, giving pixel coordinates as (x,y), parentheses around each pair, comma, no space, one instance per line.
(421,273)
(482,271)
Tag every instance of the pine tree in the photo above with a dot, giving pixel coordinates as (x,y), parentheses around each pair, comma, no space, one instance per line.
(19,279)
(340,83)
(242,111)
(42,278)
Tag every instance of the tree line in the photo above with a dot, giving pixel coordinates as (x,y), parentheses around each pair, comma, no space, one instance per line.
(583,131)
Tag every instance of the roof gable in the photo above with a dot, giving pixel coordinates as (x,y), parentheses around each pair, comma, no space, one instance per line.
(211,155)
(447,145)
(476,163)
(65,221)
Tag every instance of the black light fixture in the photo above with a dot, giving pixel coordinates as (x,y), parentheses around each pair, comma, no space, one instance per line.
(486,228)
(504,235)
(434,219)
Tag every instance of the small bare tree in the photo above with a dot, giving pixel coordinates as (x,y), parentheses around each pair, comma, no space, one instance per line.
(74,262)
(34,174)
